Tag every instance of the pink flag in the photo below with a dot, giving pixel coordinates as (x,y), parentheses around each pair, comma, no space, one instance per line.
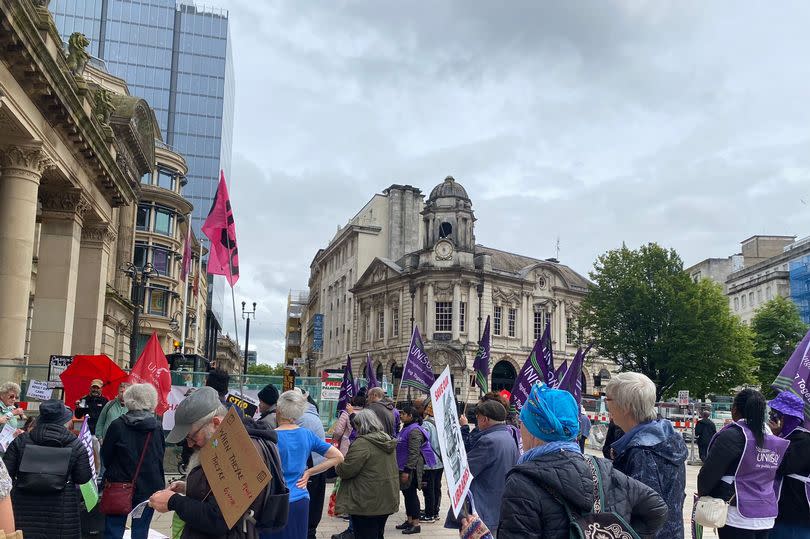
(186,266)
(223,258)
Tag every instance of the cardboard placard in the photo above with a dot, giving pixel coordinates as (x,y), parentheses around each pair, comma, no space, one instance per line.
(248,406)
(234,469)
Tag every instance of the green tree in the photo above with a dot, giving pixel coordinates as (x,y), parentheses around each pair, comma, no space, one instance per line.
(267,370)
(646,314)
(777,328)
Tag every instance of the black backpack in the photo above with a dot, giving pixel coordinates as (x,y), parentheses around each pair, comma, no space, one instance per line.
(597,524)
(272,512)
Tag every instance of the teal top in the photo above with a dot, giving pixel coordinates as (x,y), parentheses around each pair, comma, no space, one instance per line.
(111,411)
(8,412)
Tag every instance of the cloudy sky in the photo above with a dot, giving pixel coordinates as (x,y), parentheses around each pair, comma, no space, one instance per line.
(683,123)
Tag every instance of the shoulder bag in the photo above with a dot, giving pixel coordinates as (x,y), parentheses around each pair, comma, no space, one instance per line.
(711,512)
(43,469)
(116,498)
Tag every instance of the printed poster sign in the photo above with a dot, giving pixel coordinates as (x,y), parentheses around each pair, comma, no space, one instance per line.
(248,405)
(454,456)
(288,382)
(330,384)
(56,366)
(39,390)
(683,398)
(235,471)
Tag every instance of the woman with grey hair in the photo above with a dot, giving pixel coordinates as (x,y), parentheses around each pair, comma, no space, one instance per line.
(10,413)
(369,488)
(135,437)
(294,446)
(650,451)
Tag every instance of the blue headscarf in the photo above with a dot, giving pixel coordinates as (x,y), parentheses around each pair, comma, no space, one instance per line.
(552,415)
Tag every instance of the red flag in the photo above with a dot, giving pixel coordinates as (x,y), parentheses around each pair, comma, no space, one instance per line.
(223,258)
(152,368)
(186,266)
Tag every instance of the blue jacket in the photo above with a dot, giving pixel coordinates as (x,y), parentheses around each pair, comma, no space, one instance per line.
(655,454)
(491,455)
(312,422)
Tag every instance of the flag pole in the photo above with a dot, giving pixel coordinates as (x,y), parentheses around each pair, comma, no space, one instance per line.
(185,290)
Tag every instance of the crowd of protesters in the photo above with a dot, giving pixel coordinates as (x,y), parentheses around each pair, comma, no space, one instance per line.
(531,474)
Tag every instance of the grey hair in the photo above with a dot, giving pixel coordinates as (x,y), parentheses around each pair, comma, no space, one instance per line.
(8,387)
(220,411)
(141,397)
(366,421)
(291,405)
(634,393)
(376,393)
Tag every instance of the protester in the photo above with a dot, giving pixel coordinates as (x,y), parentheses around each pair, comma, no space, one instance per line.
(553,468)
(584,428)
(469,436)
(316,486)
(92,404)
(9,411)
(369,489)
(786,418)
(46,505)
(384,409)
(111,411)
(268,397)
(219,379)
(196,421)
(6,510)
(650,451)
(432,485)
(132,438)
(741,468)
(614,432)
(295,445)
(342,431)
(413,452)
(490,457)
(704,431)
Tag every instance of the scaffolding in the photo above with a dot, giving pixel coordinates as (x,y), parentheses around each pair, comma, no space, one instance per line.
(800,286)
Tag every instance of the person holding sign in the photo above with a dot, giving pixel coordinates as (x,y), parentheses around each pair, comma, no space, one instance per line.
(295,445)
(10,413)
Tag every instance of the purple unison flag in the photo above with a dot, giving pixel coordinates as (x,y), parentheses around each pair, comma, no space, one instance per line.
(348,388)
(418,373)
(371,376)
(561,370)
(539,366)
(481,363)
(795,375)
(572,380)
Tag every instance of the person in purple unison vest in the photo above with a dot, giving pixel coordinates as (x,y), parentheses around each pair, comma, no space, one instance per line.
(741,468)
(786,418)
(413,451)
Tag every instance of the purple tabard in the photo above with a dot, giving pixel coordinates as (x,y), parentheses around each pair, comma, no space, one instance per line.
(402,446)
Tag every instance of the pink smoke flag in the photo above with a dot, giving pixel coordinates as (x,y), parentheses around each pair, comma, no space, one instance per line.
(186,266)
(795,375)
(223,257)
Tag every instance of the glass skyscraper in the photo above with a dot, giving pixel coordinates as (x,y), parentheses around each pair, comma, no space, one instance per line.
(177,56)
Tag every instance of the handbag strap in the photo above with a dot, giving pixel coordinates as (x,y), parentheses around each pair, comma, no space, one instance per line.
(598,498)
(143,453)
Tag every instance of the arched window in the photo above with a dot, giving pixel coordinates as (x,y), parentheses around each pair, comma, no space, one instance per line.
(445,230)
(503,376)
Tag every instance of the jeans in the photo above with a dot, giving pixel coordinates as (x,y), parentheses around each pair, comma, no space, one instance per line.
(789,531)
(433,492)
(729,532)
(369,527)
(114,525)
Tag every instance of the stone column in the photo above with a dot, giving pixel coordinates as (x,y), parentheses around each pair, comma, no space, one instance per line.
(386,319)
(57,277)
(372,322)
(22,170)
(456,311)
(94,260)
(430,323)
(525,338)
(402,315)
(472,314)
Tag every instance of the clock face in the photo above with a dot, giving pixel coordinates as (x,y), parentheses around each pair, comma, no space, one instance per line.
(444,250)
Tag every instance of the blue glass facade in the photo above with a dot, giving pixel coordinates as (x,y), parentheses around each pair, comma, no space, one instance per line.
(800,286)
(177,56)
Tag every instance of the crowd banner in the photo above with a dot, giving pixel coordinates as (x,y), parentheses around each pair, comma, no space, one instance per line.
(795,375)
(235,471)
(454,456)
(417,373)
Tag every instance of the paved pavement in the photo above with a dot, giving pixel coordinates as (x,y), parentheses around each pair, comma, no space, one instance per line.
(330,525)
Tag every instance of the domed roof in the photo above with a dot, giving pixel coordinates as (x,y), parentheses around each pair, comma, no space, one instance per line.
(449,188)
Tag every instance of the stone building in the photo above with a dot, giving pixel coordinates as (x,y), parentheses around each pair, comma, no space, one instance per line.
(229,356)
(447,285)
(73,148)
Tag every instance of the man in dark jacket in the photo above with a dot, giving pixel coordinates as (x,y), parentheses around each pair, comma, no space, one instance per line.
(49,515)
(704,431)
(614,432)
(92,404)
(651,451)
(383,410)
(491,456)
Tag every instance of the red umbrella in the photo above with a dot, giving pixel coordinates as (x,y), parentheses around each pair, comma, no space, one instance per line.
(84,369)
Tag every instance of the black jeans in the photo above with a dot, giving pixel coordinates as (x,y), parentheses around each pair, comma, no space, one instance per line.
(316,486)
(727,532)
(433,492)
(411,499)
(366,527)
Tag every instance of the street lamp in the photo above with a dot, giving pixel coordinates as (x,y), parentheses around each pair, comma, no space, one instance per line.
(480,290)
(412,290)
(140,275)
(246,316)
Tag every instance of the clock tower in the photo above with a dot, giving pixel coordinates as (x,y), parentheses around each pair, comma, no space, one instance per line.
(448,219)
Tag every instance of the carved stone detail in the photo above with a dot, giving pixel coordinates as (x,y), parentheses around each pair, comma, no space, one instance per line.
(99,233)
(65,201)
(26,161)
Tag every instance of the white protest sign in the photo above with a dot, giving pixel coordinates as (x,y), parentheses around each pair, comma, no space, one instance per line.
(6,436)
(331,381)
(683,397)
(175,397)
(39,390)
(454,456)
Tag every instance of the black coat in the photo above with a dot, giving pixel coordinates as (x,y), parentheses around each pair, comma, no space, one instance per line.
(121,450)
(793,508)
(704,431)
(723,458)
(614,432)
(53,516)
(528,511)
(94,404)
